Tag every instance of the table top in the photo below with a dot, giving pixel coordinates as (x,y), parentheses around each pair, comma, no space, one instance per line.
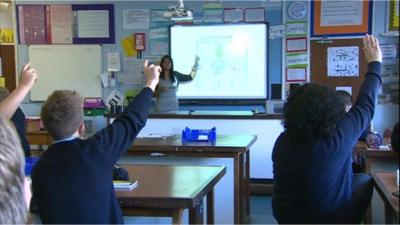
(385,184)
(362,150)
(208,115)
(239,143)
(168,186)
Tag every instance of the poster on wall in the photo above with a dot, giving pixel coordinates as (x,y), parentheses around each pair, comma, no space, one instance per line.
(294,60)
(136,18)
(393,16)
(296,74)
(233,15)
(296,29)
(296,44)
(254,14)
(343,61)
(340,18)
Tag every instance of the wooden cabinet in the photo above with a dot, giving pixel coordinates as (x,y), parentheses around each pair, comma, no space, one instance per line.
(8,37)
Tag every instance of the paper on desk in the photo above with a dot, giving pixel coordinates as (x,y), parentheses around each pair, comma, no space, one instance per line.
(154,135)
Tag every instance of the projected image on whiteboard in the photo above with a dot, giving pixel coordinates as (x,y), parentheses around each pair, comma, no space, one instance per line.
(232,60)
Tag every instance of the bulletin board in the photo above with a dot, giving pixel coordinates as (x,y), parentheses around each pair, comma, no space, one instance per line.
(73,67)
(340,18)
(319,62)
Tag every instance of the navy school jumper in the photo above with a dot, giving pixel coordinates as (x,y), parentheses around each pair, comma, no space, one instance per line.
(72,182)
(315,185)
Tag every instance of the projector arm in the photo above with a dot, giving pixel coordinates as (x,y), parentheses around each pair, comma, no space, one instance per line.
(178,11)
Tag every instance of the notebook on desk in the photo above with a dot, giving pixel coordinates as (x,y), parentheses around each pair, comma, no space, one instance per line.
(124,184)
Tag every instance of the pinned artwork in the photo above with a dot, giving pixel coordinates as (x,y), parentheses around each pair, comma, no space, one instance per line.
(343,61)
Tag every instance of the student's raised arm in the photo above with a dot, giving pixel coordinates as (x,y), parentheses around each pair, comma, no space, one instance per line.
(361,113)
(12,102)
(117,137)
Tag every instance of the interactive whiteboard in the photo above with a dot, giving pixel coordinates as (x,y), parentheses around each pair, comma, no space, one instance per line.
(73,67)
(233,60)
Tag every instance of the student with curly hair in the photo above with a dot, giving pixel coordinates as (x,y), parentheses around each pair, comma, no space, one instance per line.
(313,178)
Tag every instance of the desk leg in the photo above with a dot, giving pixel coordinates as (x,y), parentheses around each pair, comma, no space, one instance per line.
(247,183)
(390,215)
(368,164)
(367,169)
(177,216)
(196,214)
(244,190)
(237,181)
(210,207)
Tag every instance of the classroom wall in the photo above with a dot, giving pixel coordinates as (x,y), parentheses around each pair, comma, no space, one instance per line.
(385,116)
(273,17)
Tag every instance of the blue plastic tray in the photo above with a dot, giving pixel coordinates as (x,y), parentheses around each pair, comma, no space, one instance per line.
(195,135)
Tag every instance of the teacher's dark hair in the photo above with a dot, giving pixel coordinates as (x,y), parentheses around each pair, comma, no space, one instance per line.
(171,70)
(312,111)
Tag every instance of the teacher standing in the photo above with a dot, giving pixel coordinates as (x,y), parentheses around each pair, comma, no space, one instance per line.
(166,98)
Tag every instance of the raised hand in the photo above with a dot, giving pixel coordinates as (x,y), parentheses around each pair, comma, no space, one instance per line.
(152,74)
(371,48)
(11,103)
(28,76)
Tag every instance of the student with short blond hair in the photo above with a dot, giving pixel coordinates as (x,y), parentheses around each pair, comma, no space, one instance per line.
(72,181)
(62,113)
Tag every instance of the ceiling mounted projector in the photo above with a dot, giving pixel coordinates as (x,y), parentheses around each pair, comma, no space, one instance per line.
(178,12)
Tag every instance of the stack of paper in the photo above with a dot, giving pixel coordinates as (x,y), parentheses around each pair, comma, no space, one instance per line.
(125,184)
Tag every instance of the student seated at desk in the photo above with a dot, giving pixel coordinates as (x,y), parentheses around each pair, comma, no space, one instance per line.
(15,194)
(72,181)
(313,178)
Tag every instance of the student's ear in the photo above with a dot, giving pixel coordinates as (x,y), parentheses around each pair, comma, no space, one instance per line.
(82,129)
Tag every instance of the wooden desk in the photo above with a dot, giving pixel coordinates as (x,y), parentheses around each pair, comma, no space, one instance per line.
(39,137)
(226,146)
(168,190)
(385,184)
(370,155)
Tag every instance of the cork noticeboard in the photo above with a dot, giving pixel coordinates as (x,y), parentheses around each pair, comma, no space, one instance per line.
(319,62)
